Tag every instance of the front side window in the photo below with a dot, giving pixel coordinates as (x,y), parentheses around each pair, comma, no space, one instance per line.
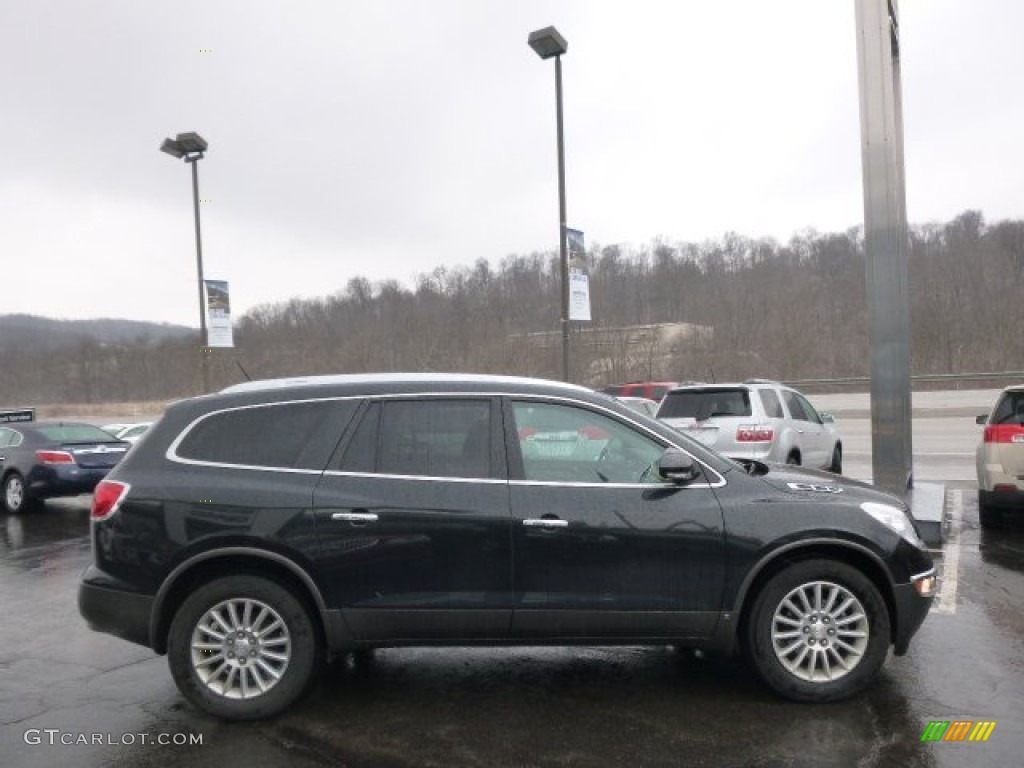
(809,411)
(423,438)
(796,410)
(1010,409)
(567,444)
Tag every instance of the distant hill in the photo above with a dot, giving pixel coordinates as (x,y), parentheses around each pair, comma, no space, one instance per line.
(47,334)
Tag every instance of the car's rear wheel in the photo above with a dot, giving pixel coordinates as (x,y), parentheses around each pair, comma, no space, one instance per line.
(818,631)
(837,460)
(15,497)
(243,648)
(793,459)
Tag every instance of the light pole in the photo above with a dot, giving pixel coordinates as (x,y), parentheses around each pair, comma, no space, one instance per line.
(190,148)
(547,43)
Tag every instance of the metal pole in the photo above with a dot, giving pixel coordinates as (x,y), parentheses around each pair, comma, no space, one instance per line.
(562,249)
(885,243)
(203,339)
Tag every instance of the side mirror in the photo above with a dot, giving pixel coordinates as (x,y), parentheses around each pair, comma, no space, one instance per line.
(981,419)
(827,418)
(677,467)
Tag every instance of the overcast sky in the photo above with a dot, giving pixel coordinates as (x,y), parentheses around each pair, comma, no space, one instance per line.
(384,138)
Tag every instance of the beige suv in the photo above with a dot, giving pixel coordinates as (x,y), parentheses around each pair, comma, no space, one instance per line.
(1000,458)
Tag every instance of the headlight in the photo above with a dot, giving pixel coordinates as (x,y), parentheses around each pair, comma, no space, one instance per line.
(894,518)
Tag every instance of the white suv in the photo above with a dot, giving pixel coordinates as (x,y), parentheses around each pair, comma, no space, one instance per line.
(1000,458)
(756,419)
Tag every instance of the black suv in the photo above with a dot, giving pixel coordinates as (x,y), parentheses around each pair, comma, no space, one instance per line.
(254,531)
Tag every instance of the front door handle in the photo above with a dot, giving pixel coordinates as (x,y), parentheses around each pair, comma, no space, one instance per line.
(355,517)
(547,522)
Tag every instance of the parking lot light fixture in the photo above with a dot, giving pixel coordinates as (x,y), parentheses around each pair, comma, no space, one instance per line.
(548,43)
(190,148)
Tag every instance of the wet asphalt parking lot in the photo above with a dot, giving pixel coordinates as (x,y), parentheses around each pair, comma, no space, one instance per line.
(508,707)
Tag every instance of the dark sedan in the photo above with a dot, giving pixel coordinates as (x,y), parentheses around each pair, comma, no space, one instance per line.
(41,460)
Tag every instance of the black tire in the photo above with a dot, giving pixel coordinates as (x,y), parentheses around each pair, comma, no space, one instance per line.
(816,632)
(990,517)
(793,459)
(14,496)
(296,639)
(837,460)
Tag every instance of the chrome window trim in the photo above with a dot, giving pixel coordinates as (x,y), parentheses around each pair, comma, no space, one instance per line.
(172,450)
(429,478)
(717,484)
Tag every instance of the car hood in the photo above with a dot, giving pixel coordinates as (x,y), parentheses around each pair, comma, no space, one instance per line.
(821,486)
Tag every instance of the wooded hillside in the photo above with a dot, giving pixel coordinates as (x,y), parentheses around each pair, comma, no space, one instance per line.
(787,311)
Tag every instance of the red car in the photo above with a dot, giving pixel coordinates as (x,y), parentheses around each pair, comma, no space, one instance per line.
(652,390)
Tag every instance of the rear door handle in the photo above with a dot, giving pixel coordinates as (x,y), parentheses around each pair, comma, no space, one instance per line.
(355,517)
(545,523)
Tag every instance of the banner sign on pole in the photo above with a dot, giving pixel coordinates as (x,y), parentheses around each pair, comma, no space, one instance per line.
(14,417)
(579,280)
(218,314)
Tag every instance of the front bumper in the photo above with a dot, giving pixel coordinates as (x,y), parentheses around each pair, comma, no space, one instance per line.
(114,611)
(910,612)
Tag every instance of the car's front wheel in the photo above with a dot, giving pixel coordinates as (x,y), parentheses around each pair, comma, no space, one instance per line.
(243,648)
(818,631)
(836,465)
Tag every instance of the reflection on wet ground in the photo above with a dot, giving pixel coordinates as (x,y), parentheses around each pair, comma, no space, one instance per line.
(506,707)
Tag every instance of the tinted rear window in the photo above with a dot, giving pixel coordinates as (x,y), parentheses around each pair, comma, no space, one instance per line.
(74,433)
(705,404)
(280,435)
(1009,409)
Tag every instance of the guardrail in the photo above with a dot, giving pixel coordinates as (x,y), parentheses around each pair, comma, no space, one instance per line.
(930,378)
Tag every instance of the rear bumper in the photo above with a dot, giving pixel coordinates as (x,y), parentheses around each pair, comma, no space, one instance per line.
(114,611)
(71,480)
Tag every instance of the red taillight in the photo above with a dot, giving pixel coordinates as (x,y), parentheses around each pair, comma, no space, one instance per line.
(107,498)
(55,457)
(1004,433)
(755,433)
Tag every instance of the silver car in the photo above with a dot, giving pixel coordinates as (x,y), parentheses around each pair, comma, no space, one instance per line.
(1000,458)
(755,419)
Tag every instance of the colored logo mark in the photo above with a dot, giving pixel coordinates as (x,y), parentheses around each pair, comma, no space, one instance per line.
(958,730)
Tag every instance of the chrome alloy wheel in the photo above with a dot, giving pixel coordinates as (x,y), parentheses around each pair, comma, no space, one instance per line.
(820,631)
(241,648)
